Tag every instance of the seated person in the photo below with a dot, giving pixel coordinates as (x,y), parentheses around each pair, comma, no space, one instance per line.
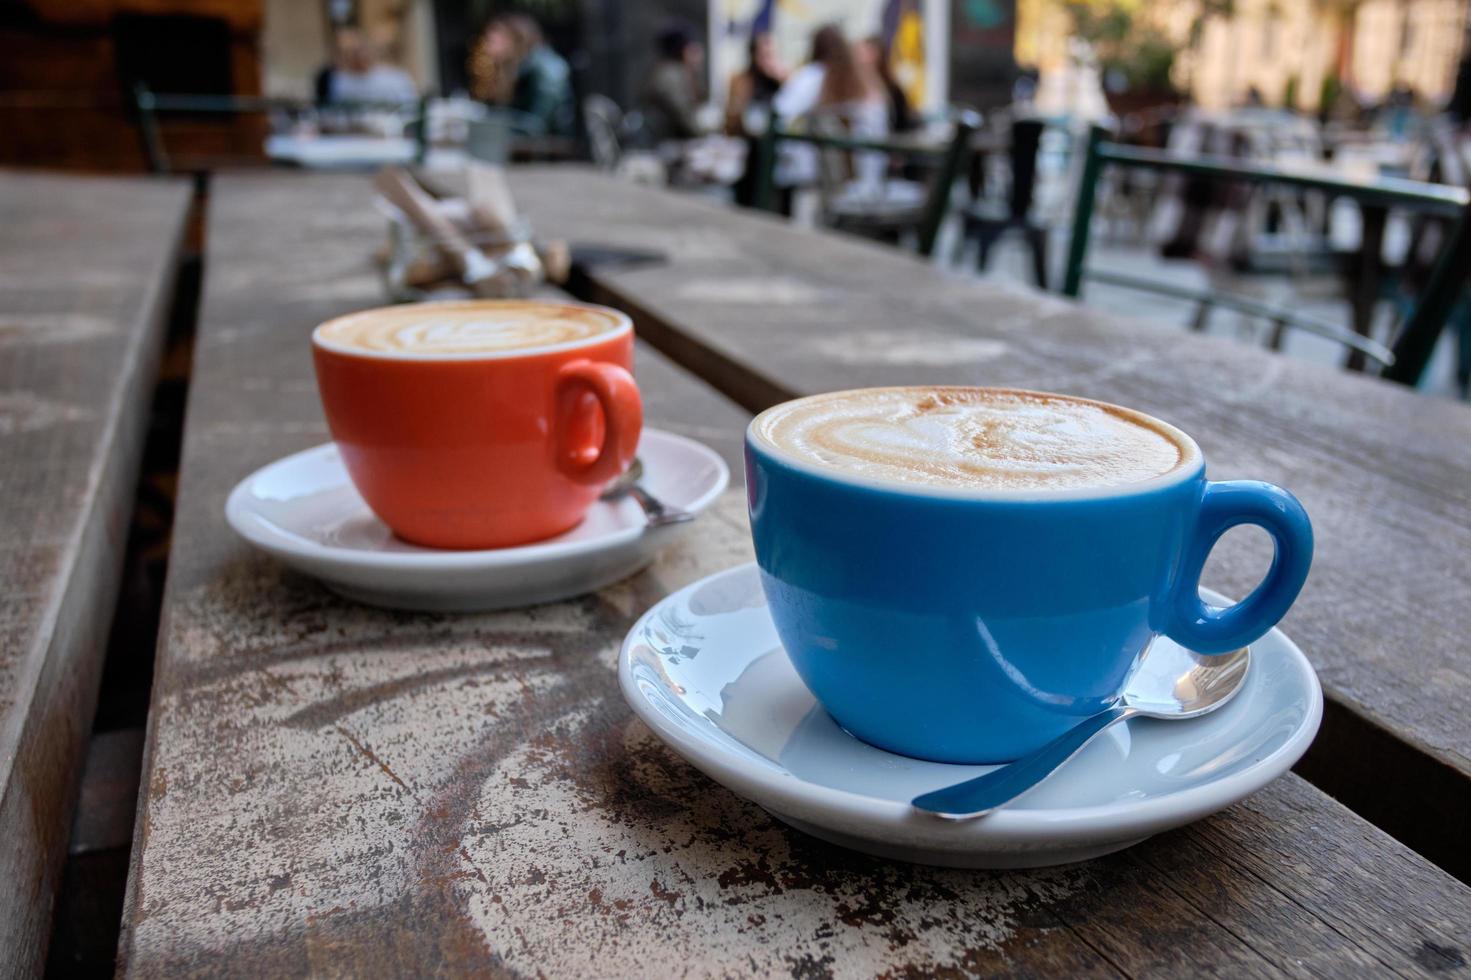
(873,53)
(357,75)
(671,97)
(513,66)
(755,87)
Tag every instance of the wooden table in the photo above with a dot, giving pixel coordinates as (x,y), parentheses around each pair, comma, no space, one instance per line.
(86,274)
(333,789)
(767,312)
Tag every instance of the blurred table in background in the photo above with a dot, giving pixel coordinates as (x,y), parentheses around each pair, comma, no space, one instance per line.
(345,151)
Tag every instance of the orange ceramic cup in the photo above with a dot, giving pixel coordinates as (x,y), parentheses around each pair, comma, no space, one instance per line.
(487,448)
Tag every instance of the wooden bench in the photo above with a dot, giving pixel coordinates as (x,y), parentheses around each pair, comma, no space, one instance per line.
(86,273)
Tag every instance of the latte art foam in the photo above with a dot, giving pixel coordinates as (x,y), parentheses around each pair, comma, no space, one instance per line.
(979,438)
(448,329)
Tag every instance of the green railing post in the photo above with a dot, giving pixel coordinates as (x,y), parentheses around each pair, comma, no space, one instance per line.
(1072,283)
(938,204)
(146,105)
(761,194)
(1437,301)
(1413,346)
(1388,191)
(420,130)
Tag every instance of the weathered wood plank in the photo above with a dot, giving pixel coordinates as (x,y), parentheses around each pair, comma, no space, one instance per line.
(86,269)
(333,789)
(768,312)
(675,401)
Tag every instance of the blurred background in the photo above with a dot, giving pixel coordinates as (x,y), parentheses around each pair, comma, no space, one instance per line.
(1361,103)
(70,70)
(1289,174)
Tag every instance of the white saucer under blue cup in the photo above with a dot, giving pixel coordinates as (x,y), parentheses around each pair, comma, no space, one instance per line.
(706,670)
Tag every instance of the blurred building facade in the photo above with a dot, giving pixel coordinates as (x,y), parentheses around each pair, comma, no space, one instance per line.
(1290,52)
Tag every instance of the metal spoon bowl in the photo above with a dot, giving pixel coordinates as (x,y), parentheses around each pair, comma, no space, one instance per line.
(655,510)
(1172,683)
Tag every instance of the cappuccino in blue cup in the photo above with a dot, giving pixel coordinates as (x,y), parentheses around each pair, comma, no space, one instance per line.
(962,574)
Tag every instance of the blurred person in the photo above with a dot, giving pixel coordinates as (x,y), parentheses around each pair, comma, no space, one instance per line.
(854,94)
(798,96)
(873,53)
(1346,106)
(1458,107)
(796,163)
(513,66)
(833,86)
(672,95)
(836,78)
(800,93)
(357,75)
(1398,113)
(855,91)
(751,94)
(756,86)
(1024,87)
(322,83)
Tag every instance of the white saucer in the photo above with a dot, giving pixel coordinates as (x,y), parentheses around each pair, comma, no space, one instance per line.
(305,511)
(705,670)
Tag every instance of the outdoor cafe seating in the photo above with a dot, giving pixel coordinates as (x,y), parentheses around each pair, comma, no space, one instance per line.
(1028,542)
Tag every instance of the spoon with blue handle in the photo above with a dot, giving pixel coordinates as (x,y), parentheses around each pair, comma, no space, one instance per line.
(1172,683)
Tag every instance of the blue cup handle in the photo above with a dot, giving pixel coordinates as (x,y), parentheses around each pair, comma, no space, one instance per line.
(1224,505)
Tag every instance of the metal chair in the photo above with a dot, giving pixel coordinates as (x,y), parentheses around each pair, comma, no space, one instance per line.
(985,227)
(924,222)
(855,192)
(1405,360)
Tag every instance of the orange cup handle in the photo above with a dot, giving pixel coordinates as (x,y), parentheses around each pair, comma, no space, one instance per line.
(623,420)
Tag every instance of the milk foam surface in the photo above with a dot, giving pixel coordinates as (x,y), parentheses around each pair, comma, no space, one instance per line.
(979,438)
(437,329)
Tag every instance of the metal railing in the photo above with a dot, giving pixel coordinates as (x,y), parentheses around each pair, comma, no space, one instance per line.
(1405,361)
(949,156)
(150,105)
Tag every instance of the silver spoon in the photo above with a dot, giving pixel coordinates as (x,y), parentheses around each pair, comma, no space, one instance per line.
(1173,683)
(657,511)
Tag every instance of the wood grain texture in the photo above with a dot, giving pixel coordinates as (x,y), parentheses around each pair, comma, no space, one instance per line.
(86,269)
(768,312)
(337,790)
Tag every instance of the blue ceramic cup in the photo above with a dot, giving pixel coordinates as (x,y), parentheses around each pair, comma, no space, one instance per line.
(973,626)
